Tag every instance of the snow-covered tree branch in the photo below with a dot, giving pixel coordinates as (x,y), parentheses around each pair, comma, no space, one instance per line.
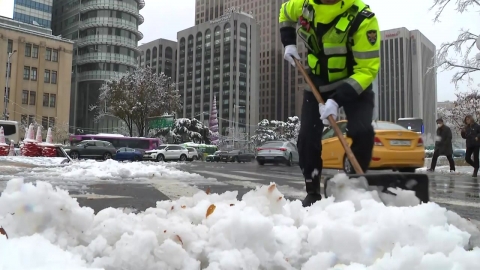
(276,130)
(136,96)
(467,103)
(186,130)
(458,55)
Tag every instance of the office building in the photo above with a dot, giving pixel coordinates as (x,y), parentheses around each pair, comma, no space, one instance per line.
(161,56)
(407,81)
(39,76)
(281,86)
(106,37)
(38,12)
(221,58)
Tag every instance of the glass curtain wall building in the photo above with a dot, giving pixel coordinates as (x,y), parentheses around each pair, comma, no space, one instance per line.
(38,12)
(106,36)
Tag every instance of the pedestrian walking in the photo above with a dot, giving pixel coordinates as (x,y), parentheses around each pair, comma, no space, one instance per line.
(471,133)
(443,146)
(343,42)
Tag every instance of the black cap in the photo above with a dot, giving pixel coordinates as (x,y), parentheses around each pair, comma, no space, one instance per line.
(439,120)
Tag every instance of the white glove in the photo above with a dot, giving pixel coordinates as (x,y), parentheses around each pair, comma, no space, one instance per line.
(290,53)
(330,108)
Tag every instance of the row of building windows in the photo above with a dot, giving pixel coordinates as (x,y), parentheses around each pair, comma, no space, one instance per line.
(20,17)
(31,73)
(47,122)
(32,51)
(111,31)
(30,98)
(106,49)
(34,5)
(108,14)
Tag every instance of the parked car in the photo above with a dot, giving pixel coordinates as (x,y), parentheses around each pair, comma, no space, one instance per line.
(215,157)
(192,154)
(459,153)
(126,153)
(396,148)
(277,152)
(167,152)
(92,149)
(237,156)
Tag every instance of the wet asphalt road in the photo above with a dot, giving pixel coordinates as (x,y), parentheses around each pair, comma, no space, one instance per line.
(459,193)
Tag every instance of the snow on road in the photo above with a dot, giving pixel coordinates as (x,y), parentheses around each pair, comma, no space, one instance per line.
(211,231)
(459,170)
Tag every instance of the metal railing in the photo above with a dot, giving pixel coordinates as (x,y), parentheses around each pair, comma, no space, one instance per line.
(106,57)
(102,39)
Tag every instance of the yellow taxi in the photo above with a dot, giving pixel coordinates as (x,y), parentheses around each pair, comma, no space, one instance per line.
(396,148)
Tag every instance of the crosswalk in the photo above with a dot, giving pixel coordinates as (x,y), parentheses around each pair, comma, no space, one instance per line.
(293,185)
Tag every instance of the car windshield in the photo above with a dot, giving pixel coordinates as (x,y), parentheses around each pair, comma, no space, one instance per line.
(234,151)
(161,147)
(387,126)
(273,144)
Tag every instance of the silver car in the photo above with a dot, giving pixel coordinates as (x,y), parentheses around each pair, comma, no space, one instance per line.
(277,152)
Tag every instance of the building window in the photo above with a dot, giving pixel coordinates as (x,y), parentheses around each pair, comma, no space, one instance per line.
(7,94)
(55,55)
(31,119)
(51,122)
(53,100)
(46,76)
(24,119)
(48,54)
(45,100)
(25,97)
(10,46)
(28,50)
(26,73)
(33,98)
(35,51)
(9,73)
(54,77)
(34,74)
(45,122)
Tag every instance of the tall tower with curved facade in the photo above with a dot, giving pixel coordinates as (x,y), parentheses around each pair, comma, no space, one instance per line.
(106,36)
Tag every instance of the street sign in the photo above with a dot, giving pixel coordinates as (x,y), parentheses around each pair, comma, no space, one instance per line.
(159,122)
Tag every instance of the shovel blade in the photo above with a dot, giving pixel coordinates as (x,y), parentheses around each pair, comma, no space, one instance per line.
(418,183)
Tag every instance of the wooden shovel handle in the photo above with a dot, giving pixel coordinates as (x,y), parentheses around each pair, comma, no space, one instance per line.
(332,121)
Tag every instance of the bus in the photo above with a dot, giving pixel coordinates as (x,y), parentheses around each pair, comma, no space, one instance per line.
(204,148)
(119,141)
(11,131)
(412,123)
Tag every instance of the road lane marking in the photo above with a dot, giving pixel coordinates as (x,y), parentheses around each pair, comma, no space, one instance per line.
(292,180)
(175,189)
(98,196)
(285,190)
(455,202)
(231,176)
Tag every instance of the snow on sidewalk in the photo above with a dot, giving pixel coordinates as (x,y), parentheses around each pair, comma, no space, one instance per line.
(36,161)
(211,231)
(459,170)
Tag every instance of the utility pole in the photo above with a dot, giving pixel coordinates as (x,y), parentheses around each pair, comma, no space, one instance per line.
(7,86)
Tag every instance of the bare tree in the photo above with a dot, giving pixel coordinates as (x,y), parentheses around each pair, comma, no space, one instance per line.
(137,96)
(462,46)
(467,103)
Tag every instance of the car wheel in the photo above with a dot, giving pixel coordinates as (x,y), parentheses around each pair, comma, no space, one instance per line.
(261,163)
(183,157)
(194,158)
(160,157)
(407,170)
(347,166)
(290,161)
(234,159)
(107,156)
(136,158)
(74,155)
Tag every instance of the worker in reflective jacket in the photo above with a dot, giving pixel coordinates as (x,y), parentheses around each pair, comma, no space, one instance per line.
(343,42)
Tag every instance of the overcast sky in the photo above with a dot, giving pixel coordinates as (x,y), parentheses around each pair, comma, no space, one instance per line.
(164,18)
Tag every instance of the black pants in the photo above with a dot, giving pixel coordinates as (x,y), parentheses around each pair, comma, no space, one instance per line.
(436,154)
(468,156)
(359,128)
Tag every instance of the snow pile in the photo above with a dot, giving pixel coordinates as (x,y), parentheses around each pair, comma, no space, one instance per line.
(459,170)
(211,231)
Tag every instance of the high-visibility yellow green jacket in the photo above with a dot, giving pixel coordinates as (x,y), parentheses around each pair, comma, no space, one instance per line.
(343,42)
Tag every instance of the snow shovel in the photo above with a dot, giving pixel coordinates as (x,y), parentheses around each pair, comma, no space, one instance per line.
(419,183)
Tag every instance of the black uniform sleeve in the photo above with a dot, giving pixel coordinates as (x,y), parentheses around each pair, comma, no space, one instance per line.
(288,35)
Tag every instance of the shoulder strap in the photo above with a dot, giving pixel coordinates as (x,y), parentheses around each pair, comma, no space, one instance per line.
(361,16)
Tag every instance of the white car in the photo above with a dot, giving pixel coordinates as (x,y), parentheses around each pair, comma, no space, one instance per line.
(167,152)
(277,152)
(192,154)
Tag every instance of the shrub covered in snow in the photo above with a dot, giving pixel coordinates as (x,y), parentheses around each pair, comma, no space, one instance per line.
(277,130)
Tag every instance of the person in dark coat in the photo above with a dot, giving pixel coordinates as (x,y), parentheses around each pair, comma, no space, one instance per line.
(443,146)
(471,133)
